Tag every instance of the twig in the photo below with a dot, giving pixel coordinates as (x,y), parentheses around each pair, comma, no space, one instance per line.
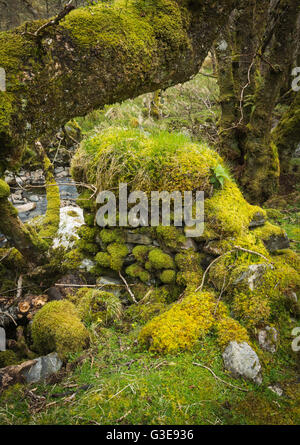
(218,378)
(115,395)
(123,417)
(128,288)
(19,287)
(79,285)
(204,275)
(253,252)
(8,315)
(68,8)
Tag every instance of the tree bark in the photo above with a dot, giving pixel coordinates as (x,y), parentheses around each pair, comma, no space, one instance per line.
(96,56)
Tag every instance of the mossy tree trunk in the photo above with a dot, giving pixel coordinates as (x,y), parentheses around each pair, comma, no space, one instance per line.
(95,56)
(261,43)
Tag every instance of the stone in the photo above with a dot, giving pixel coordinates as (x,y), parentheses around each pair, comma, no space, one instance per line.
(242,361)
(277,242)
(43,368)
(33,198)
(2,339)
(268,339)
(26,207)
(276,389)
(253,275)
(71,218)
(257,220)
(189,244)
(137,238)
(112,285)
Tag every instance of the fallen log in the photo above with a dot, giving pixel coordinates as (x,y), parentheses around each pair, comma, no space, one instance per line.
(14,374)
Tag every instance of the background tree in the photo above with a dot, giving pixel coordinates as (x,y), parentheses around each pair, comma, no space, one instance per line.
(255,53)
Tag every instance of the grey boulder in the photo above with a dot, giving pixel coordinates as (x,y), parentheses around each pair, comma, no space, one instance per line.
(242,361)
(43,368)
(268,338)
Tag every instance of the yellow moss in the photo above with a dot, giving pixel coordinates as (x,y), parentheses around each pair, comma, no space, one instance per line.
(191,273)
(57,327)
(268,230)
(181,326)
(227,212)
(229,330)
(253,308)
(171,236)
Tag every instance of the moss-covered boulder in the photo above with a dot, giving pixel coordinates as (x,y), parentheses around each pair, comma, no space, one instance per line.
(57,327)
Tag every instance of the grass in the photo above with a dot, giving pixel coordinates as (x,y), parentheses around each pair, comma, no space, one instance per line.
(116,383)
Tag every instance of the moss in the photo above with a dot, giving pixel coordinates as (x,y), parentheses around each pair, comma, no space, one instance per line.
(171,236)
(141,253)
(229,330)
(155,301)
(8,358)
(111,235)
(168,276)
(12,259)
(85,201)
(95,306)
(73,259)
(160,260)
(4,189)
(52,218)
(181,326)
(117,252)
(88,247)
(89,218)
(267,231)
(103,259)
(189,264)
(227,212)
(57,327)
(87,233)
(136,271)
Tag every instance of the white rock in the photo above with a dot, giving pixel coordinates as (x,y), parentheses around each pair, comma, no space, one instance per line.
(276,389)
(242,361)
(68,226)
(43,368)
(26,207)
(268,338)
(253,275)
(2,339)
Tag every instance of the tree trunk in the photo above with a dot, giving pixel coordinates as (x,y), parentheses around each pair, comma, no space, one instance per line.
(95,56)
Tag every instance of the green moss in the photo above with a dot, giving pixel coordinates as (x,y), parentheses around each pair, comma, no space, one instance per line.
(103,259)
(4,189)
(136,271)
(87,233)
(88,247)
(189,264)
(160,260)
(168,276)
(95,306)
(155,301)
(171,236)
(111,235)
(56,327)
(141,253)
(8,358)
(73,259)
(51,220)
(117,252)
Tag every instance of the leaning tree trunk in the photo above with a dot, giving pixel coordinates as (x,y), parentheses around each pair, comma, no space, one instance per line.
(91,57)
